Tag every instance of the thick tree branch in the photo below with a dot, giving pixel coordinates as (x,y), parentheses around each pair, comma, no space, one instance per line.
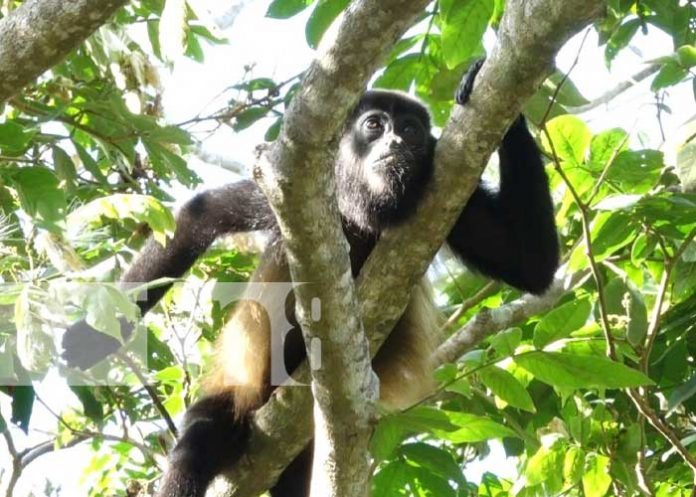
(298,179)
(531,33)
(40,33)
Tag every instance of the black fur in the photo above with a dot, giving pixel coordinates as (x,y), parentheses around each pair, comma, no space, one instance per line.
(382,167)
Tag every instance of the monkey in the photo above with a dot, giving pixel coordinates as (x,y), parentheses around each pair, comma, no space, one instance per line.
(383,164)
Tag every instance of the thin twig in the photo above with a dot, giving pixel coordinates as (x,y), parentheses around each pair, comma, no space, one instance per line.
(151,392)
(564,79)
(617,90)
(16,463)
(585,221)
(486,291)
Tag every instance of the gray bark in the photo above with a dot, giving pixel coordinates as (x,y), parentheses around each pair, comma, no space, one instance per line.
(40,33)
(297,177)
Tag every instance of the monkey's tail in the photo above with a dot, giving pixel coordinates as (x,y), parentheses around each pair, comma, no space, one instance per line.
(212,439)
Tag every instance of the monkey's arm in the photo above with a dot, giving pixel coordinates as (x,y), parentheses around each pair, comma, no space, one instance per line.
(234,208)
(510,234)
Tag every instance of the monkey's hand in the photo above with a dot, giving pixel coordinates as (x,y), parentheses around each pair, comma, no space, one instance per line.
(466,86)
(83,346)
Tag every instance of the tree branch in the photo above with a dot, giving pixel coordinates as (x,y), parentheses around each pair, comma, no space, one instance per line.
(40,33)
(489,321)
(298,180)
(529,37)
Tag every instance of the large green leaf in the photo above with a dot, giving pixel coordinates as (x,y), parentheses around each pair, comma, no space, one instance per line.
(564,370)
(472,428)
(570,138)
(597,479)
(322,16)
(561,322)
(40,195)
(463,25)
(283,9)
(505,386)
(14,138)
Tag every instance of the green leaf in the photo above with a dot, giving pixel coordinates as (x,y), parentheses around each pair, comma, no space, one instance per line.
(41,196)
(89,163)
(561,322)
(546,464)
(682,393)
(141,208)
(248,117)
(620,39)
(35,348)
(400,74)
(571,371)
(606,146)
(670,74)
(390,432)
(153,36)
(507,341)
(14,138)
(617,202)
(570,137)
(323,15)
(686,165)
(573,465)
(624,300)
(256,84)
(64,168)
(273,130)
(610,231)
(92,408)
(22,406)
(165,161)
(3,424)
(433,459)
(103,303)
(636,171)
(507,387)
(389,481)
(472,428)
(597,477)
(283,9)
(425,482)
(425,418)
(463,25)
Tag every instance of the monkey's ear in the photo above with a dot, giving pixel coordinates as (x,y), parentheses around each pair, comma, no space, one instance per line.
(83,346)
(466,86)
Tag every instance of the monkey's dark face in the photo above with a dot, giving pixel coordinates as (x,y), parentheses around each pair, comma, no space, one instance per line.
(384,160)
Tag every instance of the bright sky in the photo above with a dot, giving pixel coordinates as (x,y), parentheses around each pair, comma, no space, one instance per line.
(279,50)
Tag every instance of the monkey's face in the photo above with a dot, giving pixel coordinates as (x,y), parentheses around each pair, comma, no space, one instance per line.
(391,148)
(384,159)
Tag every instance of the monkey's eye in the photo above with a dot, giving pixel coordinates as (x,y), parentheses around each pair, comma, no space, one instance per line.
(411,132)
(373,123)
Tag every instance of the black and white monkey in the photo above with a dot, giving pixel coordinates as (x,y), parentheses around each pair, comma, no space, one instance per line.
(383,164)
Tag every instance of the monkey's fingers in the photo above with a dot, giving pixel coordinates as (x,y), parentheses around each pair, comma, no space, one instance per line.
(466,86)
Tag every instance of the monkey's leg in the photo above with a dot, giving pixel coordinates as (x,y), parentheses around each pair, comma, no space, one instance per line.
(211,441)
